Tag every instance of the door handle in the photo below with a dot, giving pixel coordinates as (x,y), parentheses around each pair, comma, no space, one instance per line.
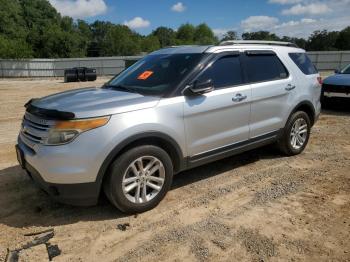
(239,97)
(290,87)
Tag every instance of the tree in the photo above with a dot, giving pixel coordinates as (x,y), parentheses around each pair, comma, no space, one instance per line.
(120,40)
(300,42)
(150,43)
(343,39)
(185,34)
(166,36)
(230,35)
(99,31)
(322,41)
(203,35)
(260,35)
(35,29)
(14,49)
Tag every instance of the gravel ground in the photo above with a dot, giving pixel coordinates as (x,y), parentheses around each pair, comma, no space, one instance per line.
(258,206)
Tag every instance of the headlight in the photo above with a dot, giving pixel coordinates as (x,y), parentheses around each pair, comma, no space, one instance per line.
(65,131)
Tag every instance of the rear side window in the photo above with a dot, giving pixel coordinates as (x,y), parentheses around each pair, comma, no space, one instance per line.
(224,72)
(264,67)
(304,63)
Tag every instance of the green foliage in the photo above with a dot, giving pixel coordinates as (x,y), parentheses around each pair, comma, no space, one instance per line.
(33,28)
(260,35)
(120,40)
(165,35)
(203,35)
(322,41)
(343,40)
(150,43)
(185,34)
(10,48)
(230,35)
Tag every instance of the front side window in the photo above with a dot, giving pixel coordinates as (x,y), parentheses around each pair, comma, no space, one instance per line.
(304,63)
(157,74)
(264,67)
(224,72)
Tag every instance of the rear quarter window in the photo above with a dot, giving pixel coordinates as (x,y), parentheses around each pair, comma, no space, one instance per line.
(304,63)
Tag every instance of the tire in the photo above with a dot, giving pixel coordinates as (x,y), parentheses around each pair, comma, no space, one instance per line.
(123,169)
(286,143)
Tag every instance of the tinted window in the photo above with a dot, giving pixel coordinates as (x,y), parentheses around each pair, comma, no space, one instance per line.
(156,74)
(304,63)
(262,68)
(224,72)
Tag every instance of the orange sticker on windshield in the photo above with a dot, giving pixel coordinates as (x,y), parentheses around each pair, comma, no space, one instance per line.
(145,75)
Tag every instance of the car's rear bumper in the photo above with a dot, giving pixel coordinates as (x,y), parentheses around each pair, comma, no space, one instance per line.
(82,194)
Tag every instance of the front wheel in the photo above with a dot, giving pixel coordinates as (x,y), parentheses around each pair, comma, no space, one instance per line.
(139,179)
(295,134)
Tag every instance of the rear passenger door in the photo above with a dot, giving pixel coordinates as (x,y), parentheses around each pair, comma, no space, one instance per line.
(220,118)
(272,89)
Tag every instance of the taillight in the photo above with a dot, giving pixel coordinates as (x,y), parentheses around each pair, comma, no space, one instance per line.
(319,79)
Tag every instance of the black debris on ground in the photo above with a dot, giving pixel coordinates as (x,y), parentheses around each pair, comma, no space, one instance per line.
(53,250)
(123,227)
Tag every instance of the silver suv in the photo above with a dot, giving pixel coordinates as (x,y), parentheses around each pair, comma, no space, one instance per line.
(175,109)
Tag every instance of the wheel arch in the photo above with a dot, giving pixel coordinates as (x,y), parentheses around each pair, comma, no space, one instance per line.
(152,138)
(308,108)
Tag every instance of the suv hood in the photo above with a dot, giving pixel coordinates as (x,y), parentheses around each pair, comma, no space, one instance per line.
(94,102)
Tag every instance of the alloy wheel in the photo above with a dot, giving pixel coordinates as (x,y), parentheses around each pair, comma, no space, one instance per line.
(143,179)
(299,133)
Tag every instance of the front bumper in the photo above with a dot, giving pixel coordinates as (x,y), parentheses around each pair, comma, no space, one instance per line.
(68,173)
(336,91)
(80,194)
(336,94)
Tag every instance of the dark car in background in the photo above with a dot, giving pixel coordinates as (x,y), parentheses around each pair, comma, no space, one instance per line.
(337,85)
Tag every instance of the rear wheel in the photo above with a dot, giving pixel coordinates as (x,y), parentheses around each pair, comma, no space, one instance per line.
(139,179)
(295,134)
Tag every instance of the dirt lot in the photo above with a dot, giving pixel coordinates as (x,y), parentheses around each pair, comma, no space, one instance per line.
(259,206)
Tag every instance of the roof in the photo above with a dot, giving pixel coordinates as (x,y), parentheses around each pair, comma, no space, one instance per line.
(229,45)
(257,42)
(185,49)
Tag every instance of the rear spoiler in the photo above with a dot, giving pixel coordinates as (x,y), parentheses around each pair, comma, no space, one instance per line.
(49,114)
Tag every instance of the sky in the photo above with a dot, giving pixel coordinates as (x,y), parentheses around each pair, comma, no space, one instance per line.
(297,18)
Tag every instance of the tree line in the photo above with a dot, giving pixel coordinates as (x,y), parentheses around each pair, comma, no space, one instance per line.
(34,29)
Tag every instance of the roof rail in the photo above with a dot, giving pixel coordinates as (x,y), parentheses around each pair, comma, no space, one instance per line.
(256,42)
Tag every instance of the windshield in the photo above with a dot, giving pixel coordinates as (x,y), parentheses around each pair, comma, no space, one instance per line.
(345,70)
(155,74)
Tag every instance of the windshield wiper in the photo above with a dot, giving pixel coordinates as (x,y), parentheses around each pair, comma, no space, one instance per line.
(121,87)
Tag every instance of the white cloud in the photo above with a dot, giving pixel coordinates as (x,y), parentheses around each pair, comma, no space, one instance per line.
(310,9)
(255,23)
(137,23)
(335,17)
(79,8)
(178,7)
(284,2)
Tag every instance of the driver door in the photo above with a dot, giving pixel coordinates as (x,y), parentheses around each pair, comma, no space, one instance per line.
(219,119)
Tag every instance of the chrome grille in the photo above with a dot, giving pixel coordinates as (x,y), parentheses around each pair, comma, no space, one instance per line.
(35,130)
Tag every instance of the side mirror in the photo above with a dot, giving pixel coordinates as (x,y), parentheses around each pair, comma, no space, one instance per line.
(199,88)
(336,71)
